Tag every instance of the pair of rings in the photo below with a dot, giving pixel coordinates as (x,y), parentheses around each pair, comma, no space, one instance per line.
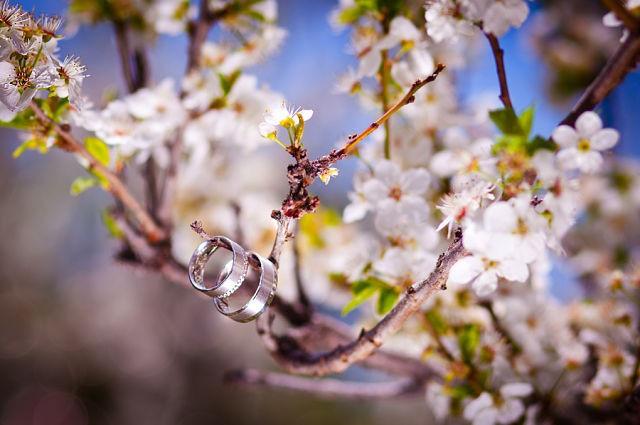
(232,277)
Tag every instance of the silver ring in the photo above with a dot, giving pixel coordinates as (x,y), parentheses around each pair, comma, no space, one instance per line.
(230,278)
(261,298)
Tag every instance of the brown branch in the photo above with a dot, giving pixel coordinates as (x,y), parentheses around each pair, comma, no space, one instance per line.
(134,63)
(623,14)
(619,65)
(148,226)
(283,234)
(303,298)
(632,405)
(409,97)
(199,28)
(498,55)
(384,94)
(340,358)
(124,52)
(327,388)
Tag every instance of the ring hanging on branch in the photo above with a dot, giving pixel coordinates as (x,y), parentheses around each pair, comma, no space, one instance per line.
(232,276)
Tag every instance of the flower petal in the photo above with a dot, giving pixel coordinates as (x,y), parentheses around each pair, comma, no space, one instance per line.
(513,270)
(500,217)
(588,124)
(474,407)
(306,114)
(415,182)
(486,283)
(516,389)
(589,162)
(605,139)
(565,136)
(465,270)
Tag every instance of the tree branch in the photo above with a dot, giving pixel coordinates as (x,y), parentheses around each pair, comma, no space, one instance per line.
(199,28)
(619,65)
(303,298)
(409,97)
(328,388)
(148,226)
(498,55)
(294,360)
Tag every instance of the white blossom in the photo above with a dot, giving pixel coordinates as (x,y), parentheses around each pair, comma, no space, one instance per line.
(485,410)
(580,147)
(500,15)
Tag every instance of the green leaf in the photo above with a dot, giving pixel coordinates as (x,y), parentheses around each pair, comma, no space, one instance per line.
(350,15)
(24,120)
(386,300)
(363,290)
(460,392)
(112,225)
(32,144)
(526,120)
(98,149)
(539,143)
(468,341)
(81,184)
(437,322)
(255,15)
(227,81)
(506,121)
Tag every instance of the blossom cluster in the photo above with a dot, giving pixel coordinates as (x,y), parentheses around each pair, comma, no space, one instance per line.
(500,338)
(29,61)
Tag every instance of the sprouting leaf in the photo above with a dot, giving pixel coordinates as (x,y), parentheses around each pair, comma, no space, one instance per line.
(31,144)
(506,121)
(112,225)
(460,392)
(23,120)
(98,149)
(227,81)
(81,184)
(526,120)
(366,288)
(362,291)
(437,322)
(102,180)
(539,143)
(468,341)
(386,300)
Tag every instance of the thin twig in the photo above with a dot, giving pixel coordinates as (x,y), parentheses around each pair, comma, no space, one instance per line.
(303,298)
(498,55)
(623,14)
(199,28)
(384,94)
(148,226)
(327,388)
(409,97)
(124,52)
(619,65)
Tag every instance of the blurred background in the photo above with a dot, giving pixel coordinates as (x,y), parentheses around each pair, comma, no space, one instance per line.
(84,340)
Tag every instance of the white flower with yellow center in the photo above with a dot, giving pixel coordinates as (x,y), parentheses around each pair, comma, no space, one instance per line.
(580,147)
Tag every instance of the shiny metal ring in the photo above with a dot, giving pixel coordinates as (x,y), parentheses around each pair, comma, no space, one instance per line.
(230,278)
(261,298)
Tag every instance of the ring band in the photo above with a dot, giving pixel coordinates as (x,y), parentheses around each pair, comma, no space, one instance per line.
(261,298)
(232,278)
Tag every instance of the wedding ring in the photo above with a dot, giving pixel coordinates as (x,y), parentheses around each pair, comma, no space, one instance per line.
(261,298)
(230,278)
